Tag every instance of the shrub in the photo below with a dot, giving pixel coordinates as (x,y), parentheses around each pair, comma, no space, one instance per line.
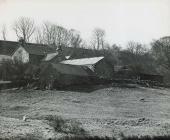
(56,122)
(17,70)
(65,126)
(30,137)
(137,138)
(75,128)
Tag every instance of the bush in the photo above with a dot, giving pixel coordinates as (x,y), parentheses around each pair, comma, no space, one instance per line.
(65,126)
(56,122)
(161,137)
(137,138)
(17,70)
(21,74)
(29,137)
(6,70)
(74,127)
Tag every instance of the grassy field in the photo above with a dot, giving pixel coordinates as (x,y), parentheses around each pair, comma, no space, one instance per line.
(103,112)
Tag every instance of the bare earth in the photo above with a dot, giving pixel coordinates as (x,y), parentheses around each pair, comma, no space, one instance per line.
(110,111)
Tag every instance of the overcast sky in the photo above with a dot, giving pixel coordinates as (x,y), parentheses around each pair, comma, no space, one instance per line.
(123,20)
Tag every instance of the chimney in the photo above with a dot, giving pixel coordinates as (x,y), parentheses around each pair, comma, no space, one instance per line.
(60,53)
(59,50)
(53,45)
(22,42)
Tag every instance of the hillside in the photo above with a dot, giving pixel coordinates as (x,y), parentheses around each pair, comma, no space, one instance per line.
(109,111)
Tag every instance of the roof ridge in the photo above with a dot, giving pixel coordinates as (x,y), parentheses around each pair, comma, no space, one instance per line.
(85,58)
(44,45)
(37,44)
(9,41)
(26,43)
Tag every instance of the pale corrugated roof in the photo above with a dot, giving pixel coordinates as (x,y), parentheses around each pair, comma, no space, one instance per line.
(83,61)
(67,57)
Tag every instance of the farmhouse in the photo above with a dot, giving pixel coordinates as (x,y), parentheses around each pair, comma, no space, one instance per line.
(33,53)
(25,52)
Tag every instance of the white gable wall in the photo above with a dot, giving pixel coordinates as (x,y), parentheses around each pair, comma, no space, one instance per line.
(21,54)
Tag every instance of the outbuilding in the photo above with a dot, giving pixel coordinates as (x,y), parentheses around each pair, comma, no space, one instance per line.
(99,65)
(59,75)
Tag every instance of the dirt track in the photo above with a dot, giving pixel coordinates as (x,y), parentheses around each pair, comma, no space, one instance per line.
(110,111)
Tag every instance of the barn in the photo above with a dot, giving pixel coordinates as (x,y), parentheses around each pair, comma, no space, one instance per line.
(126,72)
(59,75)
(151,77)
(99,65)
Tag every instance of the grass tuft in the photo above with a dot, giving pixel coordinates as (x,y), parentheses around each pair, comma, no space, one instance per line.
(147,138)
(82,137)
(25,137)
(64,126)
(86,138)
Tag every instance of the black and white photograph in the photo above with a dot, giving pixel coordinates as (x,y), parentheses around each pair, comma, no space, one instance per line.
(84,69)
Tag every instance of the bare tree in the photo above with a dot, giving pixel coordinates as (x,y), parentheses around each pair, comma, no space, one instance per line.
(75,39)
(48,32)
(161,51)
(98,39)
(136,48)
(4,32)
(24,27)
(63,35)
(39,36)
(54,34)
(137,57)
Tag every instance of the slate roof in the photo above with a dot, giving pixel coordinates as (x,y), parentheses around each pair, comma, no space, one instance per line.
(38,49)
(8,47)
(83,61)
(76,53)
(71,70)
